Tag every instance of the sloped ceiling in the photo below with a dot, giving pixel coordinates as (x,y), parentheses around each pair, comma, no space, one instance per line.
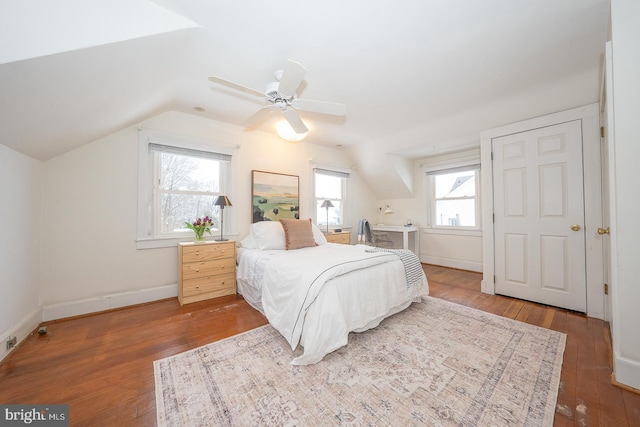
(418,77)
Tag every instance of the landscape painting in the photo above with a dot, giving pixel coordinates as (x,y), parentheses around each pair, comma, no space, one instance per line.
(274,196)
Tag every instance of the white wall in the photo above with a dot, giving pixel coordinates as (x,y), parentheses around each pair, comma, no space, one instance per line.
(21,229)
(451,249)
(625,15)
(90,258)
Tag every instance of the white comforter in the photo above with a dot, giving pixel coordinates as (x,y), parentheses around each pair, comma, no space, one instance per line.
(316,296)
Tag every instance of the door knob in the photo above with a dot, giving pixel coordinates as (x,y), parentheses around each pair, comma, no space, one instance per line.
(603,230)
(575,227)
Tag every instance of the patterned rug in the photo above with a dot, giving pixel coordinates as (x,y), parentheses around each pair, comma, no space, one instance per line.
(436,363)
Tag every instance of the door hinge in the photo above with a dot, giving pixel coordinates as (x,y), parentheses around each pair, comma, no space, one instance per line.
(606,289)
(601,131)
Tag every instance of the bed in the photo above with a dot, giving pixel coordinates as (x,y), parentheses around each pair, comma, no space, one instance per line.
(314,293)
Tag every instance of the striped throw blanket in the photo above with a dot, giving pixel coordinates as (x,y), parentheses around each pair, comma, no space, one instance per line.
(412,266)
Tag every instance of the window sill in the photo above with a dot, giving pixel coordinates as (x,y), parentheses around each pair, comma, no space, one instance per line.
(169,242)
(452,231)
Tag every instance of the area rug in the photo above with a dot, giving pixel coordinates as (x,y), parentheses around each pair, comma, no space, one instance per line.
(436,363)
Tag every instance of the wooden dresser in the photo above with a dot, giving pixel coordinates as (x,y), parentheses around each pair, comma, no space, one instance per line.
(206,270)
(343,237)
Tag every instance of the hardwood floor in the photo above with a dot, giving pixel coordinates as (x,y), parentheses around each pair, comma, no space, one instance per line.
(101,365)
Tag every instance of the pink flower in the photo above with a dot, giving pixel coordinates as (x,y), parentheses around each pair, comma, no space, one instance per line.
(200,226)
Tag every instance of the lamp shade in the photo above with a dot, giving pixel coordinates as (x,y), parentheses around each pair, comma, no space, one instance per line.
(286,132)
(388,210)
(221,201)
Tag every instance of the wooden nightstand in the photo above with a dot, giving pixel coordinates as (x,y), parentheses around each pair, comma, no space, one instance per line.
(206,270)
(343,237)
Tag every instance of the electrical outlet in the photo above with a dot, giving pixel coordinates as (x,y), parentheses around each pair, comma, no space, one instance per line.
(11,342)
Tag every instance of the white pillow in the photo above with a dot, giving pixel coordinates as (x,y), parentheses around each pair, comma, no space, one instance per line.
(248,242)
(318,235)
(268,235)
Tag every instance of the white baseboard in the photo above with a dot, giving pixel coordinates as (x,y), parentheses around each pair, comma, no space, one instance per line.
(452,263)
(627,372)
(20,331)
(107,302)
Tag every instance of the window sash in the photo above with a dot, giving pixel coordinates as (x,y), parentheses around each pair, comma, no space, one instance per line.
(339,203)
(159,193)
(434,204)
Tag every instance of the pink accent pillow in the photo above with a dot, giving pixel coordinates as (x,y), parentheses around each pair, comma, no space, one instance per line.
(298,233)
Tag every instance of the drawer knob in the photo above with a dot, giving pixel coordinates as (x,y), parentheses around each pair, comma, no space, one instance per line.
(222,266)
(197,253)
(197,286)
(222,283)
(197,270)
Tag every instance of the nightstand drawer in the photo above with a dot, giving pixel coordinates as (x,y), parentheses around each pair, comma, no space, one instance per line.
(343,237)
(207,268)
(213,286)
(203,252)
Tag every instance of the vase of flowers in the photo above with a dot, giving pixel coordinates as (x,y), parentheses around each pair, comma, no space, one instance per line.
(200,226)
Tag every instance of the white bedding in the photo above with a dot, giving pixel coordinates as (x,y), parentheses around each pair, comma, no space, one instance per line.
(315,296)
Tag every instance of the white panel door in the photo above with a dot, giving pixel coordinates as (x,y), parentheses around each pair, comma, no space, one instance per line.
(539,216)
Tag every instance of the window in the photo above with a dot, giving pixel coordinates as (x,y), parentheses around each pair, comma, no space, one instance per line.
(454,197)
(330,185)
(178,185)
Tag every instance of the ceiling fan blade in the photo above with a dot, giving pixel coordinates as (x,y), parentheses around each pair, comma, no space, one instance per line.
(237,86)
(294,120)
(323,107)
(258,116)
(292,76)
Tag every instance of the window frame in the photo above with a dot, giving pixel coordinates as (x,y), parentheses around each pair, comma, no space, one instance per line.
(432,200)
(148,231)
(336,172)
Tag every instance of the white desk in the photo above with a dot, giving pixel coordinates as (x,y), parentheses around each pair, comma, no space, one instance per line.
(405,234)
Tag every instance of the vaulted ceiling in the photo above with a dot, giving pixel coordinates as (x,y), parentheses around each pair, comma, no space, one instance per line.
(417,76)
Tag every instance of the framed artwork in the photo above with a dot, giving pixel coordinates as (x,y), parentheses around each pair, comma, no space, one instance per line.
(274,196)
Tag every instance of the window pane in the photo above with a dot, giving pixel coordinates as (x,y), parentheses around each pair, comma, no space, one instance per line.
(335,213)
(187,173)
(328,187)
(457,184)
(457,213)
(176,209)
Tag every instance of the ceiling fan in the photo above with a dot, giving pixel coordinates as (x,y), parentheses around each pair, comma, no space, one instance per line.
(281,95)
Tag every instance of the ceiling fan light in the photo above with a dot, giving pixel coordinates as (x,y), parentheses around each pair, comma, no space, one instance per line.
(286,132)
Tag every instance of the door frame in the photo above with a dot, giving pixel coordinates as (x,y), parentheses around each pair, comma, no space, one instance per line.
(608,148)
(589,115)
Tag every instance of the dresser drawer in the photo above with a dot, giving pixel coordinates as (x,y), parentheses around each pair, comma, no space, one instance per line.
(203,252)
(208,268)
(210,286)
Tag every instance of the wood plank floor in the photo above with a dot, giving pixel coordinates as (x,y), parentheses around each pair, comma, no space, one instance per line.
(101,365)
